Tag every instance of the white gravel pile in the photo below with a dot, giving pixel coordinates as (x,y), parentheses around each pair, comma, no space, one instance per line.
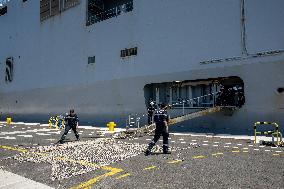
(77,158)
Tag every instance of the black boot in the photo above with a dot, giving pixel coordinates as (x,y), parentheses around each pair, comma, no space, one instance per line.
(148,151)
(166,150)
(77,137)
(61,141)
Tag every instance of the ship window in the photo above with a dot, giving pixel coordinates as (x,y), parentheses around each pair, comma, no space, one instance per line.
(100,10)
(66,4)
(50,8)
(3,10)
(92,60)
(280,90)
(122,53)
(128,52)
(9,70)
(54,7)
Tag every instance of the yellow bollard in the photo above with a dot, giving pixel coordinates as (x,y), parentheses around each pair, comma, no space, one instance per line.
(63,124)
(50,122)
(111,126)
(56,122)
(9,120)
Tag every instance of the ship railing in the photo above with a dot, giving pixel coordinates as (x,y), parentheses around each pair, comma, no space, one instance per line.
(185,106)
(110,13)
(176,109)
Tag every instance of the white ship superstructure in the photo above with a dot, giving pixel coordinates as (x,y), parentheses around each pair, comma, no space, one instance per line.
(108,58)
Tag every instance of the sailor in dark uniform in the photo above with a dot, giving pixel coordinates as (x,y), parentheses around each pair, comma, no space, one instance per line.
(161,120)
(71,122)
(151,109)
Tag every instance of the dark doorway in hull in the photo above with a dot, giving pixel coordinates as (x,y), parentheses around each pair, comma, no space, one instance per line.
(196,93)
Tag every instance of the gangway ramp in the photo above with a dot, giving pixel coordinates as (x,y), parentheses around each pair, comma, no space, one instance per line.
(142,131)
(194,115)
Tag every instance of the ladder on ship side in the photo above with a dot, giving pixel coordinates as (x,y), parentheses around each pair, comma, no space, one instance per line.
(142,131)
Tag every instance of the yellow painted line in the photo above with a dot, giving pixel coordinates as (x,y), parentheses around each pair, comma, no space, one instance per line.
(41,154)
(108,168)
(175,161)
(198,157)
(89,183)
(86,184)
(218,153)
(57,158)
(14,149)
(236,151)
(92,181)
(81,162)
(276,154)
(22,150)
(151,167)
(122,176)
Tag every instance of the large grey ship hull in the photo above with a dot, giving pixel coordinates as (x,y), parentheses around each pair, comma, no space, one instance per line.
(114,100)
(194,41)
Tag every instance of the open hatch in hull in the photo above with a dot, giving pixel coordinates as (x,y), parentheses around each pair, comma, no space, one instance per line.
(224,91)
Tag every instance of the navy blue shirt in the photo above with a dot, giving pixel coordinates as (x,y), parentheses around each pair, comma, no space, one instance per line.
(151,110)
(71,120)
(161,116)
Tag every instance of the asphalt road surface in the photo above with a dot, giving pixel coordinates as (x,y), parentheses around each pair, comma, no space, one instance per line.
(100,161)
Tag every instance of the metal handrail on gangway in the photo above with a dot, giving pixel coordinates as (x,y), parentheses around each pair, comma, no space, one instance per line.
(194,115)
(134,119)
(149,128)
(141,131)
